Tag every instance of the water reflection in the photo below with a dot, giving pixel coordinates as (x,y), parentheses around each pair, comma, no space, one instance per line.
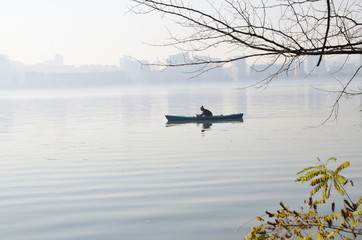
(204,125)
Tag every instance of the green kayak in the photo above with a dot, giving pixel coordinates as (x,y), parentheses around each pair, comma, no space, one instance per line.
(229,117)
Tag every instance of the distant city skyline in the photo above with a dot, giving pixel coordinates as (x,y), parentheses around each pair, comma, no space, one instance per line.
(55,72)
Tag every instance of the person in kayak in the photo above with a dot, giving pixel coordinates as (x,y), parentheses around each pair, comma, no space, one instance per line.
(205,112)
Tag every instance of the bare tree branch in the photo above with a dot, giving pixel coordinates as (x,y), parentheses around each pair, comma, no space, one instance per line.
(281,32)
(327,31)
(340,94)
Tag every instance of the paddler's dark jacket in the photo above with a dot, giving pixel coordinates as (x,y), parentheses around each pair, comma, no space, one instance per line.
(205,113)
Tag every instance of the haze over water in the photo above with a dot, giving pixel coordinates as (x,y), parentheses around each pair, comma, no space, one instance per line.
(104,164)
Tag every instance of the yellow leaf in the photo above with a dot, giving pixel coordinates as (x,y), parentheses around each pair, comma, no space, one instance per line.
(309,237)
(320,236)
(358,212)
(331,234)
(321,179)
(296,232)
(338,188)
(341,167)
(305,169)
(341,179)
(316,189)
(332,159)
(359,202)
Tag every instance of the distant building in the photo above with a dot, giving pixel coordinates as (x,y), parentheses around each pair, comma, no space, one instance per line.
(179,58)
(5,72)
(239,70)
(136,71)
(56,61)
(194,71)
(312,68)
(299,69)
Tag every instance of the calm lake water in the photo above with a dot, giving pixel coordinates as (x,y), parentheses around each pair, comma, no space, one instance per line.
(104,164)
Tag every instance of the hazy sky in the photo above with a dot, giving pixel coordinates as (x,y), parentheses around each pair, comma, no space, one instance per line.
(83,31)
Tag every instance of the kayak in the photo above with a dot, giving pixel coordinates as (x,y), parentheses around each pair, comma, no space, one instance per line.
(229,117)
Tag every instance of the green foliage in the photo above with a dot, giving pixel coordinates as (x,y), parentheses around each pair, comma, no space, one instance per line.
(308,223)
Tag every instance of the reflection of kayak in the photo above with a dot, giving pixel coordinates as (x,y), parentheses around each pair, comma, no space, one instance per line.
(229,117)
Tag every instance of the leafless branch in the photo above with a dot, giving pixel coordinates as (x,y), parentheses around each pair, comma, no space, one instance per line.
(285,32)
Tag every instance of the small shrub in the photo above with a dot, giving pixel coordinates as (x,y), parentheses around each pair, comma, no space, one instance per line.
(309,222)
